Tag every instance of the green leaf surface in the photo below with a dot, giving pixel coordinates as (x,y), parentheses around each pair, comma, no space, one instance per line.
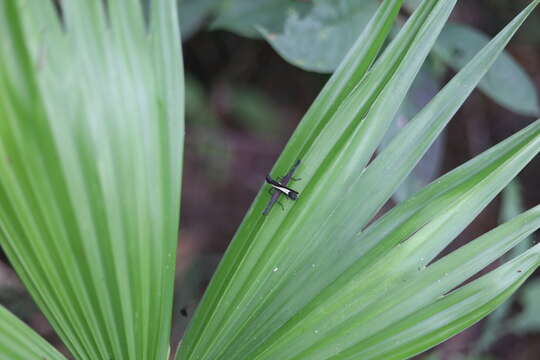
(495,325)
(19,342)
(506,83)
(244,16)
(319,40)
(388,60)
(90,156)
(422,91)
(390,256)
(316,38)
(192,13)
(307,283)
(447,315)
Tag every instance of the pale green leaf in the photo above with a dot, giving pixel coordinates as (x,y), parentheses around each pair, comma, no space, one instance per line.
(507,82)
(422,91)
(495,325)
(319,40)
(90,156)
(192,13)
(19,342)
(262,273)
(448,314)
(304,283)
(244,16)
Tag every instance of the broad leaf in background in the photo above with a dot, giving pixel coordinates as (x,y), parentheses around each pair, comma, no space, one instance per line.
(506,83)
(319,279)
(91,135)
(244,16)
(319,40)
(192,13)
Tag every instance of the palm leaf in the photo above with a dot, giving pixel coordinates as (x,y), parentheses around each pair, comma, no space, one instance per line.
(305,283)
(90,149)
(89,205)
(19,342)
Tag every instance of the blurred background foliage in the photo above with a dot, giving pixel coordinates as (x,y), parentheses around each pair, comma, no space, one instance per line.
(252,70)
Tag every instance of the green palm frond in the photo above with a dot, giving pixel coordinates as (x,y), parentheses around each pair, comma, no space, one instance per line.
(305,283)
(19,342)
(91,103)
(90,157)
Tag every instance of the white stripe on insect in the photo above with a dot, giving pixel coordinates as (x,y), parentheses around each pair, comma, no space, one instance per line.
(284,190)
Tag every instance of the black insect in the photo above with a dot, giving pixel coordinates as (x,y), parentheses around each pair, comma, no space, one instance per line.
(280,188)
